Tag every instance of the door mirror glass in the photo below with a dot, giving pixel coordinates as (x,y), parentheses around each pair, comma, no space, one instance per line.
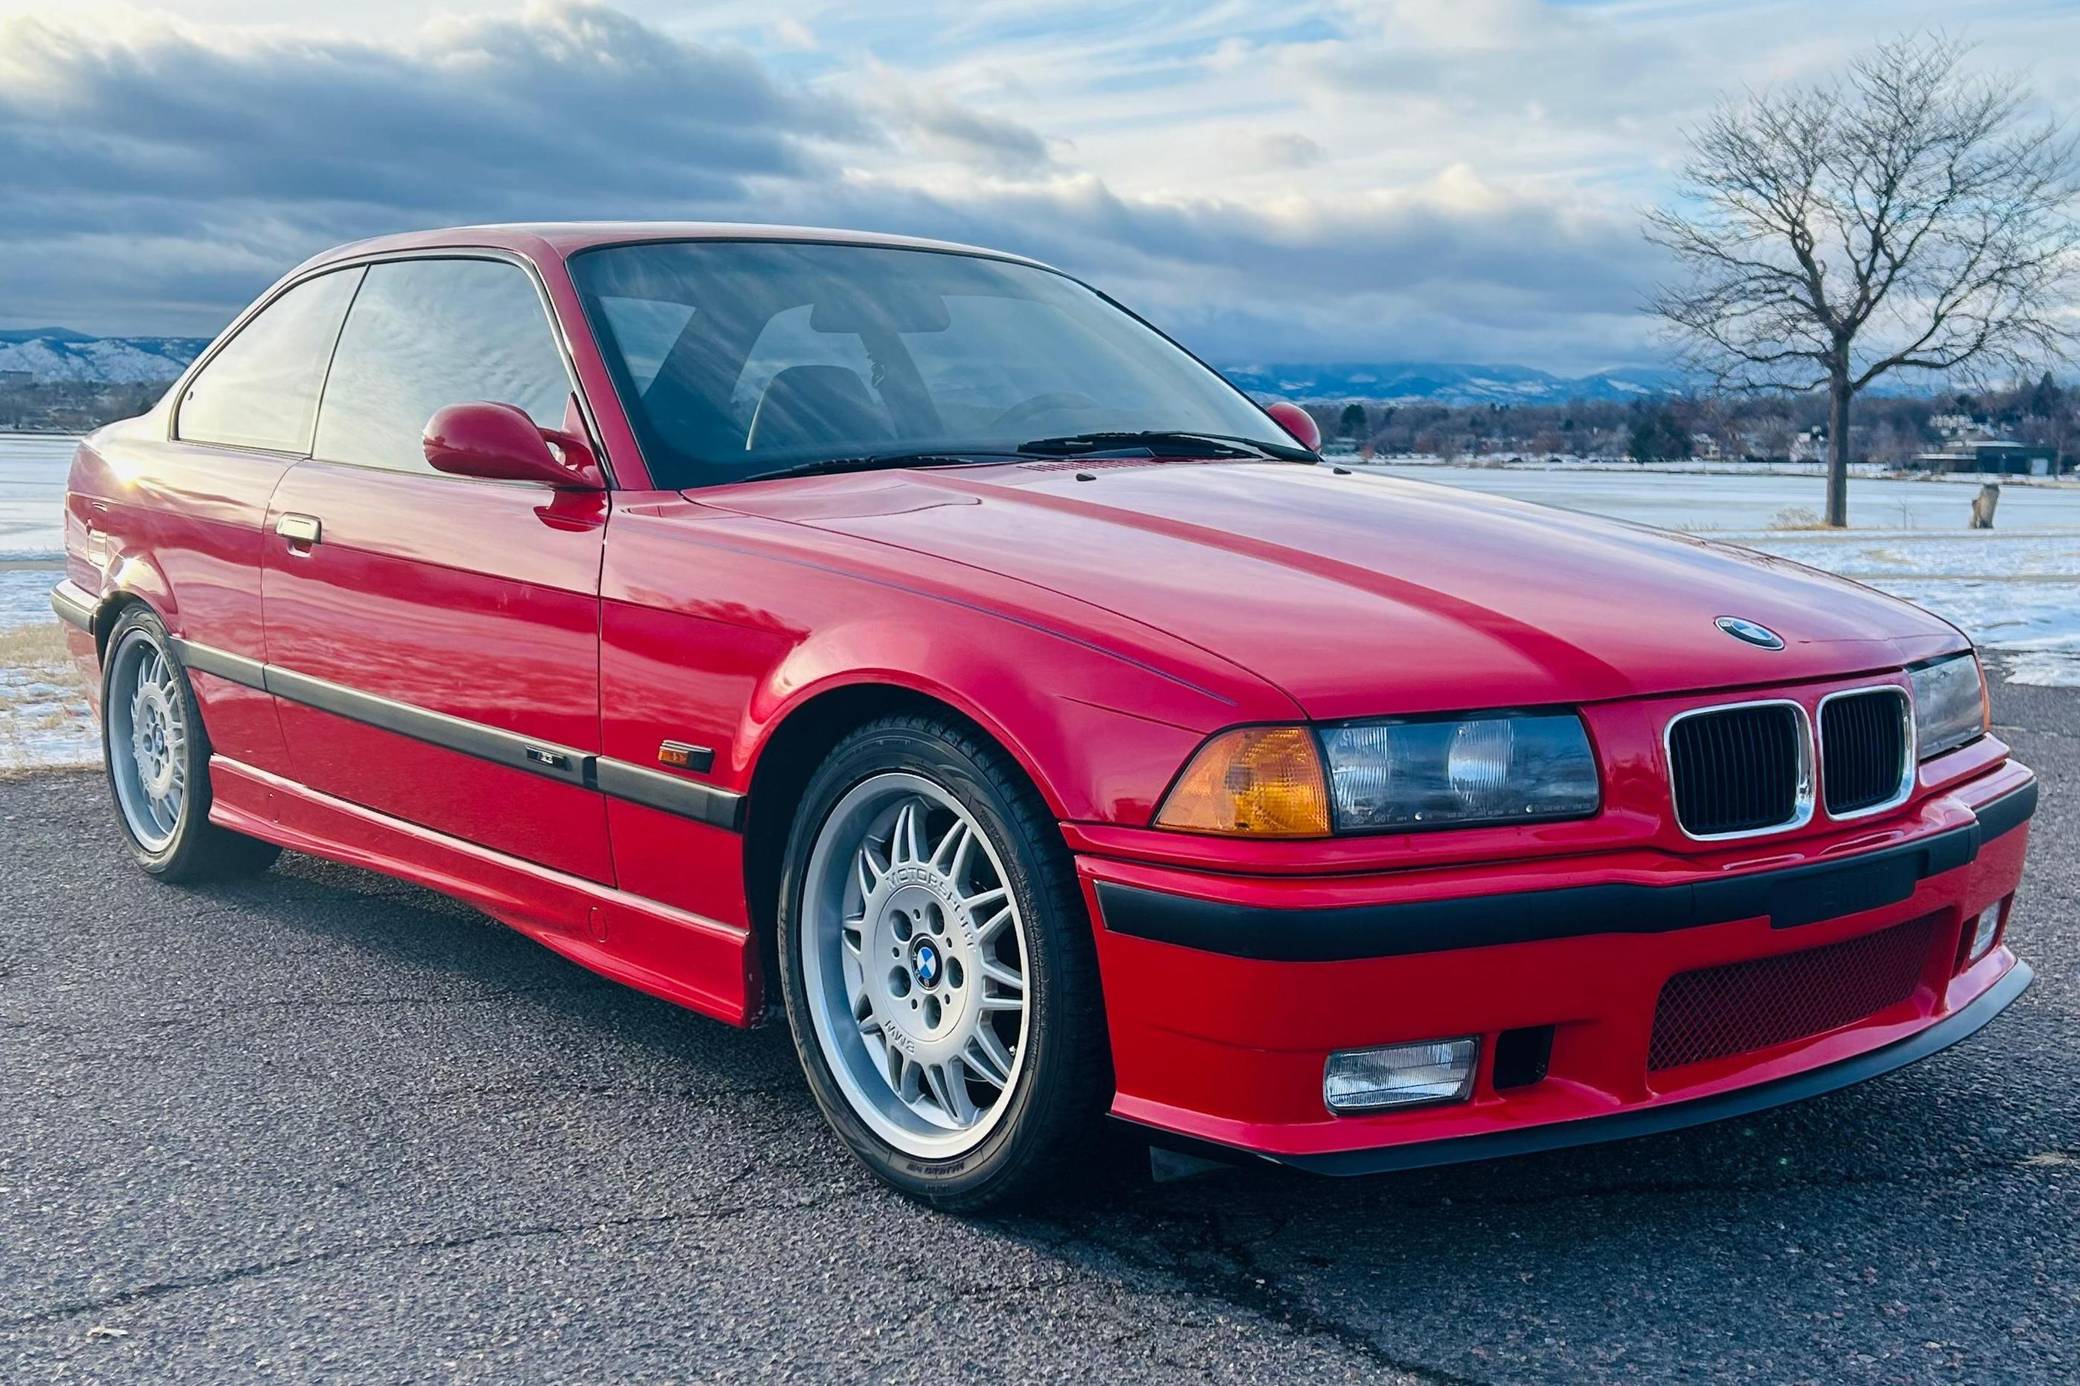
(500,442)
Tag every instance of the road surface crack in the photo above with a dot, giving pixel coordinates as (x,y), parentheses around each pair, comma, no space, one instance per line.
(140,1294)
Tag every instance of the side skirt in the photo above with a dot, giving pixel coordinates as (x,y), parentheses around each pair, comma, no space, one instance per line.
(713,964)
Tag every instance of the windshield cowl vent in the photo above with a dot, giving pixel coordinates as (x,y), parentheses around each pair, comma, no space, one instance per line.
(1102,464)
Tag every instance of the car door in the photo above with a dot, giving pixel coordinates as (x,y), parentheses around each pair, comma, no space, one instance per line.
(433,640)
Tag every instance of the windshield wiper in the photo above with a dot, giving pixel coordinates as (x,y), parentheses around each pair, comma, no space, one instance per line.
(1167,443)
(872,462)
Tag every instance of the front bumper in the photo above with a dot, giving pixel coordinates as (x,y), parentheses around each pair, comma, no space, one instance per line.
(1226,994)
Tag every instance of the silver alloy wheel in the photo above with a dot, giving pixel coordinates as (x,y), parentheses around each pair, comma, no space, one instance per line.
(914,965)
(147,740)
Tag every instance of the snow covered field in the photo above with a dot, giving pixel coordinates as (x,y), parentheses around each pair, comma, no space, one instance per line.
(2016,588)
(32,494)
(1701,500)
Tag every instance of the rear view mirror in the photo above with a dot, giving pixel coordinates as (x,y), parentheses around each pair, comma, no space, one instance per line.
(500,442)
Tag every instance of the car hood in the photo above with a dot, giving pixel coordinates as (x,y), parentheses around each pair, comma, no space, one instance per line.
(1359,594)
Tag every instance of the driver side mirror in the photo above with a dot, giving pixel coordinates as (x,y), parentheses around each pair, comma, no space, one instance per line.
(1298,422)
(500,442)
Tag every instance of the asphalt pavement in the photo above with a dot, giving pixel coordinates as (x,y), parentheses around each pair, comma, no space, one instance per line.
(325,1125)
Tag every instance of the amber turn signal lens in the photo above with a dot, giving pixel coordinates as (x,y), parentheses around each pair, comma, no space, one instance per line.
(1253,781)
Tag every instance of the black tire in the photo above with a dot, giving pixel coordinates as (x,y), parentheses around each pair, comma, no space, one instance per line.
(197,850)
(1060,1092)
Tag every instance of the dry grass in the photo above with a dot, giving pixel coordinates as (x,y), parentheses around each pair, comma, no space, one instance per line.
(43,702)
(40,645)
(1794,517)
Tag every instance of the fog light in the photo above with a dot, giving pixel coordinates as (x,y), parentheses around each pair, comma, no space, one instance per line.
(1984,932)
(1401,1075)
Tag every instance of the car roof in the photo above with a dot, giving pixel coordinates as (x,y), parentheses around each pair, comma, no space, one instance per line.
(560,239)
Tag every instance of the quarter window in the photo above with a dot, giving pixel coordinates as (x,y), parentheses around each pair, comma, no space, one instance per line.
(261,389)
(424,334)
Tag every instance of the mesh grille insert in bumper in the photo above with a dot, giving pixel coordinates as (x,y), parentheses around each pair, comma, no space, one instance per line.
(1743,1006)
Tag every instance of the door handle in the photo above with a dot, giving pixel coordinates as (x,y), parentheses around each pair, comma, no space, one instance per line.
(300,530)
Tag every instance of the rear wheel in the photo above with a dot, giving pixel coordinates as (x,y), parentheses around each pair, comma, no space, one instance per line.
(157,757)
(937,965)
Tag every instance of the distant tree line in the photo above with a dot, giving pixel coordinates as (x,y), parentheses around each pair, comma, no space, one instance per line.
(63,406)
(1757,428)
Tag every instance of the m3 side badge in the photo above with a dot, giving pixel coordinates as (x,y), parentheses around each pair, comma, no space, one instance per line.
(1751,631)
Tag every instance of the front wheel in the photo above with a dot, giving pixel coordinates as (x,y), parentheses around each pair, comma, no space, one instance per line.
(937,965)
(157,757)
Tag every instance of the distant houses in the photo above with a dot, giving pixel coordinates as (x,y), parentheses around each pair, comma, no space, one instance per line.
(2000,456)
(1973,444)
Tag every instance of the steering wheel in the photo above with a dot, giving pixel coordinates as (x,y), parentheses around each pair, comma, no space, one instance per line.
(1039,406)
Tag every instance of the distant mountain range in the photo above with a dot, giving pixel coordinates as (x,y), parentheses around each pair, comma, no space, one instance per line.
(58,353)
(1442,382)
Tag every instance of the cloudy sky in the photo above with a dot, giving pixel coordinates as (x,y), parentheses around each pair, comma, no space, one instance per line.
(1292,180)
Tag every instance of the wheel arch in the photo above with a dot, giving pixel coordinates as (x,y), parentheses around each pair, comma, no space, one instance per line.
(793,747)
(134,579)
(109,610)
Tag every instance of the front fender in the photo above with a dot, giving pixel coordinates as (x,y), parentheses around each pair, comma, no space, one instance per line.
(719,629)
(1099,735)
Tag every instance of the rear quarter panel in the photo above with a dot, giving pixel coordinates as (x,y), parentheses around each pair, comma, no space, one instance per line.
(178,526)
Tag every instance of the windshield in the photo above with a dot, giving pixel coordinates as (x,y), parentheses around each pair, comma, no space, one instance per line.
(738,358)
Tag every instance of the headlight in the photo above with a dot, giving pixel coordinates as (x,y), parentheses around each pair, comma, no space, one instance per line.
(1457,772)
(1949,704)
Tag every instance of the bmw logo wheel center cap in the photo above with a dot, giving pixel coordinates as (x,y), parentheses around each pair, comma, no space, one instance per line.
(924,961)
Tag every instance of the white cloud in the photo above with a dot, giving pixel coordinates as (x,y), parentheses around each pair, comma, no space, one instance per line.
(789,32)
(1327,178)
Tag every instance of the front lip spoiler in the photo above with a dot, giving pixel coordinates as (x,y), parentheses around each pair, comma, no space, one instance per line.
(1960,1024)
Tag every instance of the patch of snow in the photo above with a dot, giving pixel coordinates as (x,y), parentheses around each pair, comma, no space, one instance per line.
(25,595)
(2058,668)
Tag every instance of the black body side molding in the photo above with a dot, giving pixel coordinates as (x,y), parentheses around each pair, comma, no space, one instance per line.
(617,779)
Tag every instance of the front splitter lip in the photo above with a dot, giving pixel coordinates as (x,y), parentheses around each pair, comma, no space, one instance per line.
(1960,1024)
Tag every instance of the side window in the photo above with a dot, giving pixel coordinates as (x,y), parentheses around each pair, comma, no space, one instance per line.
(261,390)
(425,334)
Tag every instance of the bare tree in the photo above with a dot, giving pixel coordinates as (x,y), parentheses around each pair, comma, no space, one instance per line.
(1904,217)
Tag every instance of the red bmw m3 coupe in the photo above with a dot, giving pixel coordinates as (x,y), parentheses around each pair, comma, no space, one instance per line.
(907,639)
